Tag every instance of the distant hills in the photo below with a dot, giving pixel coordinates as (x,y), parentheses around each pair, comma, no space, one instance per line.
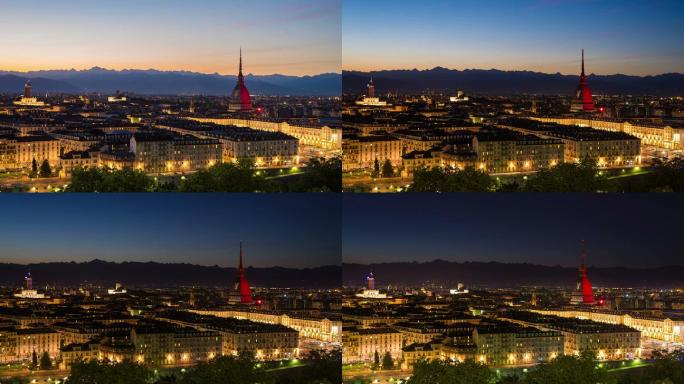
(504,275)
(496,82)
(154,274)
(153,82)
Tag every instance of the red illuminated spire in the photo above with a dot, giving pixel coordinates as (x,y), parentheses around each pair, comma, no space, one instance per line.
(245,291)
(240,99)
(583,101)
(586,288)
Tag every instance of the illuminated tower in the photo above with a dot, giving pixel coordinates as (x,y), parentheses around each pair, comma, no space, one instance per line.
(583,101)
(584,293)
(370,281)
(28,89)
(371,88)
(240,100)
(241,292)
(28,280)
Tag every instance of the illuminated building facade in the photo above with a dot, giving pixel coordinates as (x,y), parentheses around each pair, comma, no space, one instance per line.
(607,341)
(307,132)
(361,152)
(650,133)
(27,100)
(361,344)
(323,327)
(659,327)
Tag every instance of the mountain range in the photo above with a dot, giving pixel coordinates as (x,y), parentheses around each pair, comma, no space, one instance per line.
(496,82)
(507,275)
(154,82)
(153,274)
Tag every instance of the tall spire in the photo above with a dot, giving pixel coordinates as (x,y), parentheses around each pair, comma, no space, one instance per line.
(241,269)
(240,73)
(582,62)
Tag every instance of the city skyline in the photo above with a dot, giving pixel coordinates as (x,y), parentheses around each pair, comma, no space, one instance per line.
(527,228)
(170,229)
(293,37)
(534,35)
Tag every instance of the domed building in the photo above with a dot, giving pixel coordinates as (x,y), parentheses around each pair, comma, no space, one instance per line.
(240,100)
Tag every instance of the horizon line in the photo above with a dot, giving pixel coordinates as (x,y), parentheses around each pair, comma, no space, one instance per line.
(159,262)
(97,67)
(426,69)
(506,262)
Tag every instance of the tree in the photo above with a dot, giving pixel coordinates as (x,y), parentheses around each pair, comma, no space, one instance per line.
(376,168)
(387,362)
(451,180)
(45,170)
(94,372)
(668,175)
(227,177)
(376,359)
(109,180)
(34,168)
(444,372)
(320,367)
(667,368)
(581,369)
(240,370)
(320,175)
(387,169)
(45,361)
(570,177)
(34,359)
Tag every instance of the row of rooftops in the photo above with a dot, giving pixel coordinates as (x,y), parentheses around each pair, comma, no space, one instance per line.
(224,324)
(223,131)
(572,132)
(567,324)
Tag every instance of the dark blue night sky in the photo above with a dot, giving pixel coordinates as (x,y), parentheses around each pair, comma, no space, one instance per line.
(284,230)
(639,230)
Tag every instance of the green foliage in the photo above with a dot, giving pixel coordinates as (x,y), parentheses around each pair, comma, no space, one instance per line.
(45,170)
(581,369)
(569,177)
(45,361)
(228,369)
(34,359)
(108,180)
(387,169)
(225,177)
(94,372)
(320,175)
(34,168)
(451,180)
(376,359)
(321,367)
(668,175)
(667,368)
(442,372)
(14,380)
(387,362)
(376,168)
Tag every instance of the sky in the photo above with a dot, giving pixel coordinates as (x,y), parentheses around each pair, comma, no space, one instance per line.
(288,230)
(619,36)
(635,230)
(291,37)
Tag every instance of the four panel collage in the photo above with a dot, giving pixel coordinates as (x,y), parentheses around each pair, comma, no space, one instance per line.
(341,192)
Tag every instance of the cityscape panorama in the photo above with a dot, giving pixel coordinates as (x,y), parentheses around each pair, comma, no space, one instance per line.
(341,192)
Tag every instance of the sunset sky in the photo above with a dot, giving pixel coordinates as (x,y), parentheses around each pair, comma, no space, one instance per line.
(620,36)
(293,37)
(203,229)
